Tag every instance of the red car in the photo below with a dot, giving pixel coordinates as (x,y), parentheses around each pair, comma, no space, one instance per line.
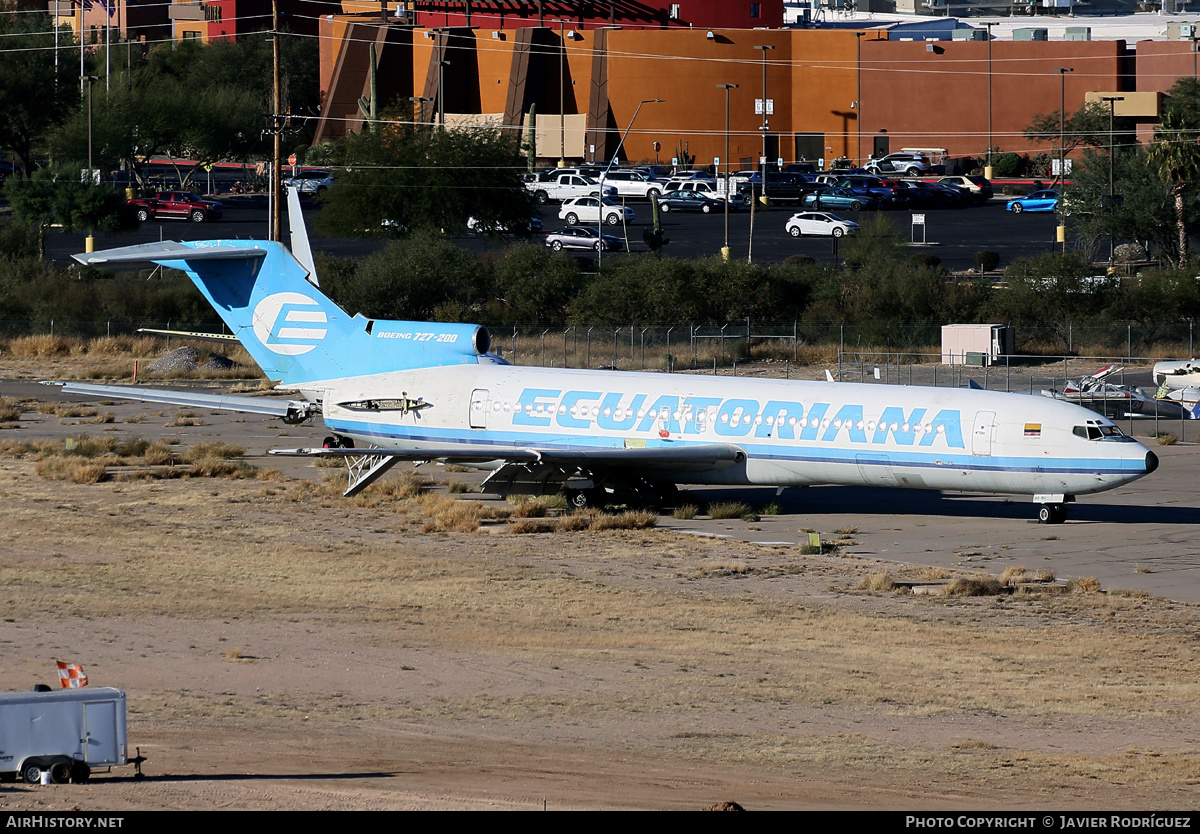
(177,205)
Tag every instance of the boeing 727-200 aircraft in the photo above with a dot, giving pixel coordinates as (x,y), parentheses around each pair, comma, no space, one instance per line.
(419,391)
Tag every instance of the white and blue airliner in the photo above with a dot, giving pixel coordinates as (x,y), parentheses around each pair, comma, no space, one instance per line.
(419,391)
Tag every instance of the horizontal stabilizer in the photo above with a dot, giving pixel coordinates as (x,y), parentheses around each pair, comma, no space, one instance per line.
(289,410)
(169,250)
(188,334)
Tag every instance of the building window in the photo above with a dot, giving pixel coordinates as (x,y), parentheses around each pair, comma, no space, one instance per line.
(754,9)
(191,35)
(674,13)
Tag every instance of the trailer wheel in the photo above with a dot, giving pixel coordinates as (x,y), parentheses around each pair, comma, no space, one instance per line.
(80,773)
(31,774)
(60,773)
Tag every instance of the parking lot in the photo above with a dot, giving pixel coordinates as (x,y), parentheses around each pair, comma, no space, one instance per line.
(954,235)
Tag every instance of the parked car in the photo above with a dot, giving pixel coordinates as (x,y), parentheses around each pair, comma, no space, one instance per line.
(820,223)
(483,228)
(582,237)
(590,209)
(688,200)
(1044,200)
(840,198)
(176,205)
(633,183)
(909,164)
(310,182)
(974,184)
(888,196)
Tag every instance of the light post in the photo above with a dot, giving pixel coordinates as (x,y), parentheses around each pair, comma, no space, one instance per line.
(987,171)
(858,96)
(420,102)
(1062,150)
(765,126)
(728,184)
(1062,110)
(1112,152)
(607,168)
(562,94)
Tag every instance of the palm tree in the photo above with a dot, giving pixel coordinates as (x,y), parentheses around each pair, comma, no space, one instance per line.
(1175,157)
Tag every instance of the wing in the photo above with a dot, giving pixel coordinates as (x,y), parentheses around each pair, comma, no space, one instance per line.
(535,469)
(290,411)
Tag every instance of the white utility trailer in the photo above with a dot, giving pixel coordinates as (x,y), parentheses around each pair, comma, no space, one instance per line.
(67,733)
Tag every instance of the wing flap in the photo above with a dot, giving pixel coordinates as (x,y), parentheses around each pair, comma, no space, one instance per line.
(673,457)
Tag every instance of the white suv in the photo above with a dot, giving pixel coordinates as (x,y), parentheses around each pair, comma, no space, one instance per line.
(310,182)
(908,164)
(633,184)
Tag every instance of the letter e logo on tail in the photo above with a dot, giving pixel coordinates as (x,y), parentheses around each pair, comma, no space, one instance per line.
(285,323)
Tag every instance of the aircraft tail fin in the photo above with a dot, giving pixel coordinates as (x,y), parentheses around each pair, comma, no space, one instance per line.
(295,332)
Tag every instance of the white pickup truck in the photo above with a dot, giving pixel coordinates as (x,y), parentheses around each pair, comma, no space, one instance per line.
(566,186)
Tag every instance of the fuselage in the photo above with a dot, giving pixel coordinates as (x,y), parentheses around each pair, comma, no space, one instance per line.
(793,432)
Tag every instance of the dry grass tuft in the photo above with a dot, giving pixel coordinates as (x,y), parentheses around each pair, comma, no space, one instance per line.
(1084,585)
(533,525)
(10,410)
(450,516)
(73,470)
(457,487)
(729,509)
(877,582)
(685,512)
(215,451)
(974,586)
(629,520)
(1166,440)
(577,521)
(38,347)
(529,507)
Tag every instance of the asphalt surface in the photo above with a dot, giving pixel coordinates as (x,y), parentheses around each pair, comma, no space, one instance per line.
(1142,537)
(954,235)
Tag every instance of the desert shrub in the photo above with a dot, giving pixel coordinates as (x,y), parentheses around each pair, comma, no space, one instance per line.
(877,582)
(728,509)
(974,586)
(685,512)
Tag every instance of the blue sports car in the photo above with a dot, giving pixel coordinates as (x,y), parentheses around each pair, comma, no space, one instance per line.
(1045,200)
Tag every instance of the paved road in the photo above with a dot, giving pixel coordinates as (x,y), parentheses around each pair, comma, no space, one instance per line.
(954,235)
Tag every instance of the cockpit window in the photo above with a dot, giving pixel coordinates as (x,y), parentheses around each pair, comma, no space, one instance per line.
(1099,431)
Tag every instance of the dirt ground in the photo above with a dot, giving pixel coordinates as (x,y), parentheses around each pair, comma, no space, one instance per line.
(283,647)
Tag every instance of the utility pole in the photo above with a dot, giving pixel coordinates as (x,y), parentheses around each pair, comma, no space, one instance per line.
(277,118)
(728,183)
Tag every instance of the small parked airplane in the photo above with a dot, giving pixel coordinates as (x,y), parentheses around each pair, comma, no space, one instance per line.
(421,391)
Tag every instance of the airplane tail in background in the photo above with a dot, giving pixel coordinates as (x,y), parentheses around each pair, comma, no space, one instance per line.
(295,333)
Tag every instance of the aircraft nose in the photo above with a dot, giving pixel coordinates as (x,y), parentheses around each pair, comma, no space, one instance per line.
(1151,462)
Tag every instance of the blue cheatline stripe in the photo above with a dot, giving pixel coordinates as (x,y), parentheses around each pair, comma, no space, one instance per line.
(897,457)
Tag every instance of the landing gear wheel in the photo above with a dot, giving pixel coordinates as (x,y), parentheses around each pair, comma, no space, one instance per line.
(60,773)
(1052,514)
(31,774)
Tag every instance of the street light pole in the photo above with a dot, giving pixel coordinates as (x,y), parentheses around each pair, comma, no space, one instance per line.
(988,167)
(604,176)
(765,126)
(858,160)
(728,184)
(1112,152)
(1062,150)
(1062,110)
(562,94)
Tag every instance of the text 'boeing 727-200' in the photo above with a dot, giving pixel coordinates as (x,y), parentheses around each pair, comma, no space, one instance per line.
(419,391)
